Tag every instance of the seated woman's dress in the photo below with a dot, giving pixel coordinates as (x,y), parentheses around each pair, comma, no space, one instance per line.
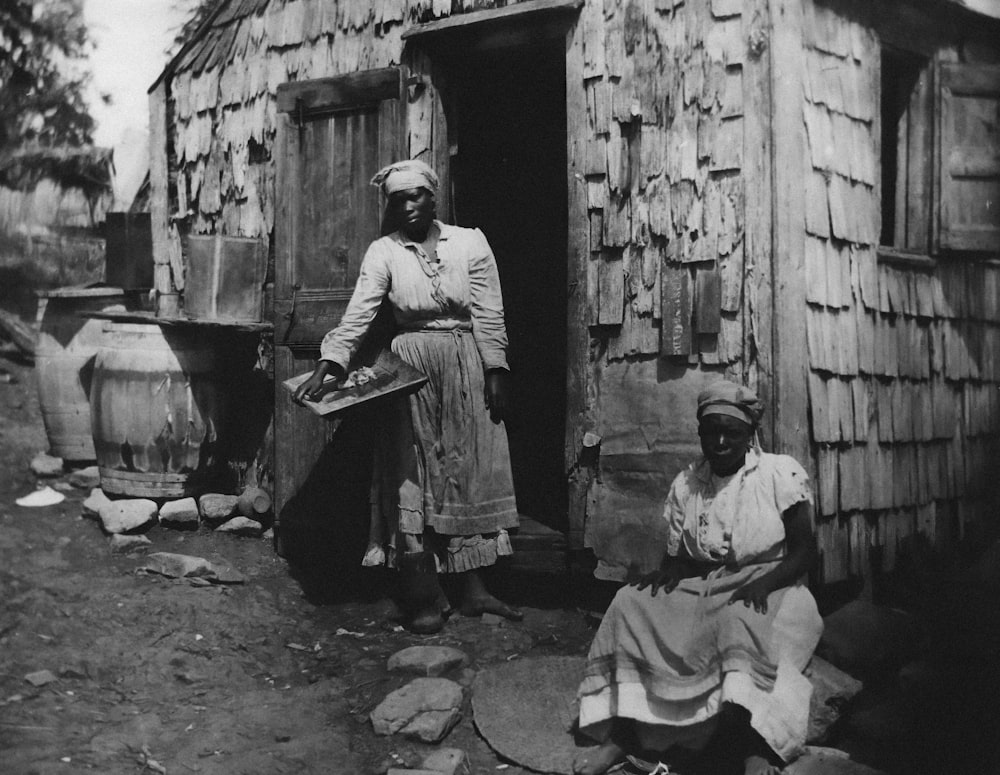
(670,661)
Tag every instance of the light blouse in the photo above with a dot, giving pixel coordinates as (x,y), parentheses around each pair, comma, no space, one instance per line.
(460,288)
(735,519)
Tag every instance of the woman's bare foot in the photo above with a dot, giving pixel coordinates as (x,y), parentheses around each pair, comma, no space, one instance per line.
(595,761)
(758,765)
(476,600)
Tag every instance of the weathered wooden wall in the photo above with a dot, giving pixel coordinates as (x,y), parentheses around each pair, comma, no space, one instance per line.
(661,128)
(669,281)
(676,251)
(903,375)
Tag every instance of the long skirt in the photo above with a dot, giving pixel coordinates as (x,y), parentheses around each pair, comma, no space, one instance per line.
(669,662)
(442,467)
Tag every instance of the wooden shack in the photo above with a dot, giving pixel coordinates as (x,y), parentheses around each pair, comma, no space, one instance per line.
(798,194)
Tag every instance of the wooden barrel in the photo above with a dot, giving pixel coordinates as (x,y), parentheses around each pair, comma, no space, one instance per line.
(64,364)
(156,410)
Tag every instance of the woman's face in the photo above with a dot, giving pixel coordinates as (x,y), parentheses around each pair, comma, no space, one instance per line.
(413,211)
(724,441)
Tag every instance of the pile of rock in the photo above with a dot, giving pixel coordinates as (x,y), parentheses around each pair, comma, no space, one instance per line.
(243,515)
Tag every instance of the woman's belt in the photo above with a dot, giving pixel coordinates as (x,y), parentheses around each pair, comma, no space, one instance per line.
(437,324)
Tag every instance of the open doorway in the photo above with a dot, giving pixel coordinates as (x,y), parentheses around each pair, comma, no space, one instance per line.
(509,120)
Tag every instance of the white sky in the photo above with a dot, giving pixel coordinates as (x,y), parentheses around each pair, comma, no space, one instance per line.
(131,38)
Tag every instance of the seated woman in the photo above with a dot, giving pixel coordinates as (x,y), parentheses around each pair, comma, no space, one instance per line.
(706,653)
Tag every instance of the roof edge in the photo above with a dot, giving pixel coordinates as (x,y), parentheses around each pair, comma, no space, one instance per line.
(188,44)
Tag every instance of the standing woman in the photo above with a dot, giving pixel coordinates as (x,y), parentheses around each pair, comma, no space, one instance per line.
(443,493)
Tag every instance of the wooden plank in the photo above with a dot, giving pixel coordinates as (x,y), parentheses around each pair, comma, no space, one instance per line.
(817,204)
(159,202)
(844,398)
(675,306)
(830,320)
(708,299)
(824,427)
(617,220)
(920,172)
(815,344)
(853,479)
(526,12)
(815,268)
(828,480)
(835,255)
(861,408)
(790,393)
(834,547)
(341,92)
(866,340)
(582,284)
(884,407)
(611,276)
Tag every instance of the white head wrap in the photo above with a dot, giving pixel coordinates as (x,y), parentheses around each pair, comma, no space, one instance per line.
(407,174)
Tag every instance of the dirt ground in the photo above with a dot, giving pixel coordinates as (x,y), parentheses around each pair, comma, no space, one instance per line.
(154,674)
(279,674)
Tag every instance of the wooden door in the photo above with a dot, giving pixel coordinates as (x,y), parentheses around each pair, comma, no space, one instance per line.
(334,134)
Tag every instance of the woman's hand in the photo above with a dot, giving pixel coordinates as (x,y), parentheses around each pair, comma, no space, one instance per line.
(800,544)
(666,579)
(497,393)
(312,388)
(754,594)
(671,571)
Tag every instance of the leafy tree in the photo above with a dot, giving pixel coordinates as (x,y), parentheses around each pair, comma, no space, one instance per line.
(40,104)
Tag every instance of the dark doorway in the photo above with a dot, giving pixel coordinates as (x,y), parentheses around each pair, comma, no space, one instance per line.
(509,177)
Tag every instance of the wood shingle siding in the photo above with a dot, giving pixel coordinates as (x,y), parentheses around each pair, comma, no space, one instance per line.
(725,177)
(903,383)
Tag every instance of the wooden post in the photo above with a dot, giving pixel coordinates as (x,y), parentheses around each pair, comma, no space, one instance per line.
(789,395)
(159,204)
(578,417)
(757,183)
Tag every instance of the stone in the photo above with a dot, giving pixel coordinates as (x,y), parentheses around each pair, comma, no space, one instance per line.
(86,478)
(241,526)
(181,514)
(41,497)
(449,761)
(129,544)
(181,566)
(425,709)
(254,503)
(827,761)
(44,464)
(127,514)
(92,505)
(40,677)
(427,660)
(216,508)
(833,689)
(861,636)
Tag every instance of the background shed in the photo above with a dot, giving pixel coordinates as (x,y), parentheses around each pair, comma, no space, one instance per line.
(792,193)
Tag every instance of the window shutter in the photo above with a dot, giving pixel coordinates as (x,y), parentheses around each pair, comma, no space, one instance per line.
(969,158)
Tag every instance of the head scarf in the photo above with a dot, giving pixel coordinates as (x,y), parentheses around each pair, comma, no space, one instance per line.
(728,398)
(407,174)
